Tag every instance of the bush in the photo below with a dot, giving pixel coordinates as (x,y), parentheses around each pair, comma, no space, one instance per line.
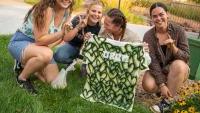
(179,9)
(145,3)
(197,1)
(31,1)
(125,7)
(77,5)
(185,10)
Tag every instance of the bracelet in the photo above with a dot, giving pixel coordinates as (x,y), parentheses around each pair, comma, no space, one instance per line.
(68,28)
(78,27)
(162,85)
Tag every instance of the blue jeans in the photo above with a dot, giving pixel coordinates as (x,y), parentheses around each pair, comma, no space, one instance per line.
(66,53)
(18,43)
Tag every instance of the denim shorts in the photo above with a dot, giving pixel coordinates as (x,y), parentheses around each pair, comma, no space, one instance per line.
(18,43)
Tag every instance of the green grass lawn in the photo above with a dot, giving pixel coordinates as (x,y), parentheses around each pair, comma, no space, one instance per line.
(13,99)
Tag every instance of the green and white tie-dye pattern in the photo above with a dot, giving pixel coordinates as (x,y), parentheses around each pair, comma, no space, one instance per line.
(113,68)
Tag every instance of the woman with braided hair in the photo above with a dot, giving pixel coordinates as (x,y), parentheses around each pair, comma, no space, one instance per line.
(43,28)
(115,27)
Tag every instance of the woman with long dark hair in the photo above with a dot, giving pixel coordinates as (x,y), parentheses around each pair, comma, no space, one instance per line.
(169,54)
(43,28)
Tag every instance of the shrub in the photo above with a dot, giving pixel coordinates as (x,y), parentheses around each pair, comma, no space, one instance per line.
(185,10)
(179,9)
(197,1)
(125,7)
(145,3)
(78,3)
(31,1)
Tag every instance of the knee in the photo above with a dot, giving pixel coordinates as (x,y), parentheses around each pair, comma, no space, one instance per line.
(45,56)
(179,66)
(63,57)
(58,55)
(149,84)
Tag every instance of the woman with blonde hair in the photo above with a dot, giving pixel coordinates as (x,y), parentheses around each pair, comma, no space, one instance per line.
(81,24)
(32,42)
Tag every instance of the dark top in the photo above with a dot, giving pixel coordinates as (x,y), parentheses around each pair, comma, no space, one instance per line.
(77,41)
(158,60)
(164,48)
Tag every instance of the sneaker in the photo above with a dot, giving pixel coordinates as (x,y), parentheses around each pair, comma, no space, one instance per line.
(17,67)
(161,107)
(83,70)
(27,85)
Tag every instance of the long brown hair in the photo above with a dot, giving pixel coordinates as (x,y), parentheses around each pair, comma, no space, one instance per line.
(39,11)
(118,18)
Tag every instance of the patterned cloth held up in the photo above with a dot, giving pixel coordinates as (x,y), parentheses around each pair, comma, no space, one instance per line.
(112,71)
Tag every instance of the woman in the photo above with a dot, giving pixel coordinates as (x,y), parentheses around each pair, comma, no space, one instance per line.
(169,53)
(81,24)
(115,27)
(31,44)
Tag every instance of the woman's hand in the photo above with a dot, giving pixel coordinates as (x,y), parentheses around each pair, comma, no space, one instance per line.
(66,27)
(165,91)
(171,44)
(87,36)
(146,47)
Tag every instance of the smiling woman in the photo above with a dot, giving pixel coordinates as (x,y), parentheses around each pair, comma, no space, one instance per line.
(169,52)
(81,24)
(32,42)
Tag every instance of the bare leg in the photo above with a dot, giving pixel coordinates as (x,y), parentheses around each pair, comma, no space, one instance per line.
(35,58)
(51,72)
(178,73)
(40,76)
(148,83)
